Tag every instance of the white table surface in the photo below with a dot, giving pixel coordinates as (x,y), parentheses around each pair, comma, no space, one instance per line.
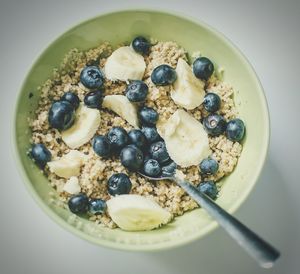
(267,32)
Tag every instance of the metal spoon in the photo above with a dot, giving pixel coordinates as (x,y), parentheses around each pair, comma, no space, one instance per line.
(259,249)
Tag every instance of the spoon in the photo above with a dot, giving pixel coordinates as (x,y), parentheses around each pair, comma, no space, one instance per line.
(259,249)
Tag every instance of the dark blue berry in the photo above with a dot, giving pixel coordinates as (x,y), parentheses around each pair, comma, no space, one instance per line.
(118,138)
(141,45)
(148,116)
(163,75)
(91,77)
(132,145)
(169,169)
(136,91)
(93,99)
(214,124)
(101,146)
(152,168)
(97,206)
(151,134)
(137,138)
(235,130)
(72,98)
(61,115)
(209,166)
(79,203)
(146,156)
(203,68)
(40,154)
(212,102)
(209,188)
(158,151)
(118,184)
(132,157)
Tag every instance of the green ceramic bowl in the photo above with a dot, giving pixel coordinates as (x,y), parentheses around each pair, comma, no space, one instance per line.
(193,36)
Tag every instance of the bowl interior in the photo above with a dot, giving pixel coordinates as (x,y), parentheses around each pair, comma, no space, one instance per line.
(123,26)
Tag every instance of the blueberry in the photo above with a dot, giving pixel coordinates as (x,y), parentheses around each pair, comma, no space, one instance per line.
(141,45)
(146,156)
(209,188)
(93,99)
(101,146)
(61,115)
(209,166)
(118,138)
(137,138)
(72,98)
(97,206)
(148,116)
(203,68)
(163,75)
(79,203)
(136,91)
(132,145)
(91,77)
(151,134)
(169,169)
(40,154)
(212,102)
(118,184)
(152,168)
(132,157)
(158,151)
(214,124)
(235,130)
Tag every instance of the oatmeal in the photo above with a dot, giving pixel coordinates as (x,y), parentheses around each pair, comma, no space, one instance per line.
(88,162)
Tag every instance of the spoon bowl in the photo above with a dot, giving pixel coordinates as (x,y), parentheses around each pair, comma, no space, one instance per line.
(161,177)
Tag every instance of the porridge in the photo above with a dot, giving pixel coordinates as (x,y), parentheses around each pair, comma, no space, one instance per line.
(107,113)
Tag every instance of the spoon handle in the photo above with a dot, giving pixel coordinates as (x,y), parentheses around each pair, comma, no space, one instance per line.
(259,249)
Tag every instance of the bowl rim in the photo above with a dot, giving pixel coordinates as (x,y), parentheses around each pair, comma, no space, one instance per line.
(166,244)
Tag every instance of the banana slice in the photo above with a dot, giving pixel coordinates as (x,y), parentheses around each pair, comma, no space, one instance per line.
(84,128)
(72,186)
(123,107)
(68,165)
(136,213)
(185,138)
(125,64)
(188,90)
